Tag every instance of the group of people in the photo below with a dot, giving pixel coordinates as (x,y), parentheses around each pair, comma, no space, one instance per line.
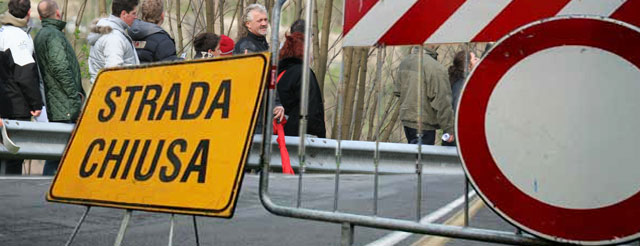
(45,70)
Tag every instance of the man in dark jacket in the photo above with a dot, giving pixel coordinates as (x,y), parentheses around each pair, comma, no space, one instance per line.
(20,96)
(153,44)
(60,71)
(257,24)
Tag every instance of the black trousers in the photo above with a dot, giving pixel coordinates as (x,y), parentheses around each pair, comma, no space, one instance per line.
(428,137)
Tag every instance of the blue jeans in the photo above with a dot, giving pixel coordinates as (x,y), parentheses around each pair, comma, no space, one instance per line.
(50,167)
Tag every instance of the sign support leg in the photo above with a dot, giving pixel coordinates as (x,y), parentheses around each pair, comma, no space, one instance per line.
(466,201)
(195,228)
(172,224)
(123,228)
(75,230)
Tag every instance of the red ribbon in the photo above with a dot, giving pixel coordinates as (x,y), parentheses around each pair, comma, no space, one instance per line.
(278,128)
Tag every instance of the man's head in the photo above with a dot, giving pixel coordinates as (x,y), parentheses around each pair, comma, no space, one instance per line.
(125,9)
(207,44)
(20,8)
(152,11)
(256,20)
(49,9)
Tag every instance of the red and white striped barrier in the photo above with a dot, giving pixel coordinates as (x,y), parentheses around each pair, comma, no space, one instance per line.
(403,22)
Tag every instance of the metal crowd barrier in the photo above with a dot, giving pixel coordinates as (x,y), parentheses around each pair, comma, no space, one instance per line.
(375,161)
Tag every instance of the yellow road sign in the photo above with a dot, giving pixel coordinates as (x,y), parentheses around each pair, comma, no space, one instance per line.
(168,138)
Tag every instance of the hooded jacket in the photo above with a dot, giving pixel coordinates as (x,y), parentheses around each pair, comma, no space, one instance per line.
(19,85)
(437,112)
(60,72)
(152,43)
(110,45)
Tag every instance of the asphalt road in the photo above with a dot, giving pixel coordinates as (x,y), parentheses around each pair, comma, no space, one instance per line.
(27,219)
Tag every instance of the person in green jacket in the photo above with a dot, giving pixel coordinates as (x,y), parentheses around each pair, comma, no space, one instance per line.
(59,69)
(437,112)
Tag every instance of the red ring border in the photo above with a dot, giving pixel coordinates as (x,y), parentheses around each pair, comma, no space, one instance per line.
(611,224)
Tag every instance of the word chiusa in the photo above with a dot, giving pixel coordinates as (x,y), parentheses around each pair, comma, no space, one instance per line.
(166,162)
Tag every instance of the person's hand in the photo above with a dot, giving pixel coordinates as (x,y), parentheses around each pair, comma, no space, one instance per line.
(451,138)
(278,113)
(36,113)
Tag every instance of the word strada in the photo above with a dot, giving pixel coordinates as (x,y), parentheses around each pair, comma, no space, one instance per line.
(172,104)
(165,160)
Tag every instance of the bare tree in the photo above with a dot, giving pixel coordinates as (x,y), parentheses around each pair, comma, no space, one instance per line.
(364,53)
(242,30)
(179,26)
(102,7)
(210,14)
(350,79)
(298,10)
(321,58)
(221,12)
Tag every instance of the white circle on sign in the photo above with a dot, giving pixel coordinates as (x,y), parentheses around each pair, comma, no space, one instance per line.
(568,111)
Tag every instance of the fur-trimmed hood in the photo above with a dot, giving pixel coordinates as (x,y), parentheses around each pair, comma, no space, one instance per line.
(8,18)
(104,26)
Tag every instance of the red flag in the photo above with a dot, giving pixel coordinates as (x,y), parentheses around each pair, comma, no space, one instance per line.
(278,128)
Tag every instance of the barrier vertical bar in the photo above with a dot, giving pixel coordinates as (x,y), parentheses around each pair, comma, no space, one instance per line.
(304,97)
(419,135)
(267,128)
(77,228)
(376,155)
(466,180)
(123,228)
(346,237)
(338,138)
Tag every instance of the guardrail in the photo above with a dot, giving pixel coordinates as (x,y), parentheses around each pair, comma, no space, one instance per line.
(47,141)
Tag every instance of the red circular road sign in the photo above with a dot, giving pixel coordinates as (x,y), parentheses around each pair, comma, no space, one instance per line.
(547,129)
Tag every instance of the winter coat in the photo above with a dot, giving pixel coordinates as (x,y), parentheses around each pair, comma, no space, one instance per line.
(252,43)
(289,91)
(152,43)
(111,46)
(19,85)
(437,112)
(60,72)
(456,90)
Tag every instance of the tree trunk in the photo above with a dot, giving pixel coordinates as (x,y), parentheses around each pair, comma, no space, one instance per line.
(364,54)
(315,37)
(321,59)
(102,8)
(210,15)
(64,10)
(242,30)
(347,54)
(221,11)
(386,134)
(372,113)
(170,6)
(298,13)
(179,26)
(351,79)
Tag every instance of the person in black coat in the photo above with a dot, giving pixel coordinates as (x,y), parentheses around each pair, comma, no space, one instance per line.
(152,43)
(289,84)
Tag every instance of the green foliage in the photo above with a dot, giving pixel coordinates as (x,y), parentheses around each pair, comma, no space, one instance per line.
(3,6)
(82,55)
